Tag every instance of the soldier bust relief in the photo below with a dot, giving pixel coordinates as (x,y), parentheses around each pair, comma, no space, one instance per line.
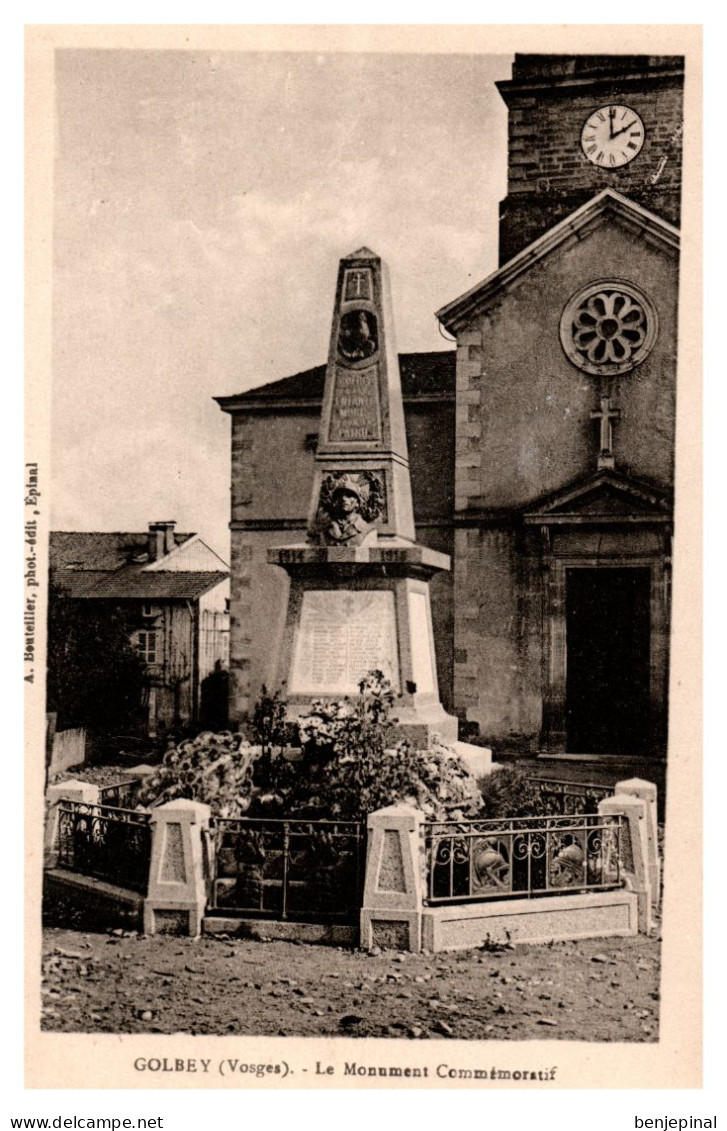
(347,525)
(348,508)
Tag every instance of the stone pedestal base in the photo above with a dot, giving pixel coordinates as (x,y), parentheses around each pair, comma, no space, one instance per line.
(477,759)
(361,609)
(137,773)
(420,724)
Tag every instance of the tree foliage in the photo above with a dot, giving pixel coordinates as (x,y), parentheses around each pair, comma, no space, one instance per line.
(95,676)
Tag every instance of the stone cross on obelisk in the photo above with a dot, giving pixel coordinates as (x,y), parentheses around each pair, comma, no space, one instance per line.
(359,593)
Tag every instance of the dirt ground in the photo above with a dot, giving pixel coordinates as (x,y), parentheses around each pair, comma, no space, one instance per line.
(123,982)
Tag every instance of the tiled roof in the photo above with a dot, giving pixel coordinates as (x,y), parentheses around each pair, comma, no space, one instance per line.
(421,375)
(130,583)
(99,550)
(112,566)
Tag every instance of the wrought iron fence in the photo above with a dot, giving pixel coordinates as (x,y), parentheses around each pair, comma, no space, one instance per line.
(286,869)
(523,856)
(568,798)
(110,843)
(121,795)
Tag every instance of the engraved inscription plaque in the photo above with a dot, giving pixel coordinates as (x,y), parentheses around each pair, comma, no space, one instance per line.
(355,412)
(342,635)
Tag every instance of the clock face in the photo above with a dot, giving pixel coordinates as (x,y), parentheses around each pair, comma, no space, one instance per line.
(612,136)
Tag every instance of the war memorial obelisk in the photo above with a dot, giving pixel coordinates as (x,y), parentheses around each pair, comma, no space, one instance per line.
(359,587)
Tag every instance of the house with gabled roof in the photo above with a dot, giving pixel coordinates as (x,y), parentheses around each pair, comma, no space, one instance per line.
(174,590)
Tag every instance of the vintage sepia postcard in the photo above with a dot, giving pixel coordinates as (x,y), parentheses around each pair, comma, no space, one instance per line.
(362,600)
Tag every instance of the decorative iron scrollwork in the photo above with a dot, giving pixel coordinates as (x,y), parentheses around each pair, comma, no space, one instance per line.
(112,844)
(526,856)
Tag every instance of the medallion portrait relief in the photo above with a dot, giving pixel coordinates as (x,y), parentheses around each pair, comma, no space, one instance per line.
(358,336)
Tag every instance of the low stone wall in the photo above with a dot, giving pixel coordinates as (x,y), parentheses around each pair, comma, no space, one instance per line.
(395,913)
(85,903)
(546,919)
(69,749)
(327,934)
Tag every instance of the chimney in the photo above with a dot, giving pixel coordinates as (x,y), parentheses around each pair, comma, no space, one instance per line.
(161,539)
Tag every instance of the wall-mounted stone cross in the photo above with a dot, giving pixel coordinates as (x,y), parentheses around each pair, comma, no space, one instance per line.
(606,415)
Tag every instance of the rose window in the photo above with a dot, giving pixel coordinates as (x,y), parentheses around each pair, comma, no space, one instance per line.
(608,328)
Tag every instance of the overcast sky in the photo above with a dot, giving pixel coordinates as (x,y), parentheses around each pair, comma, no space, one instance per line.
(202,204)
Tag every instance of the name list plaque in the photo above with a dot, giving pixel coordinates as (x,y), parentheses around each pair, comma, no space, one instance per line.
(355,412)
(342,635)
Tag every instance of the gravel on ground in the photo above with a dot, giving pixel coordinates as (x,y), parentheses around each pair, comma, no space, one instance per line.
(124,982)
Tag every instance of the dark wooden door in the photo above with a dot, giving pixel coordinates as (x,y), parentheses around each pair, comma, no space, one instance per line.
(607,661)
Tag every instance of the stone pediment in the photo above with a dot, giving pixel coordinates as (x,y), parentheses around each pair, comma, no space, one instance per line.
(607,206)
(607,496)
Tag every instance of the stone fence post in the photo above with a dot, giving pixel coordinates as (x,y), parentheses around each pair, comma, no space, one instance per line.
(71,790)
(391,916)
(177,895)
(646,790)
(634,849)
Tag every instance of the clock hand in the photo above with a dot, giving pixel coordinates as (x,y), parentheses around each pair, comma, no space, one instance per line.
(624,128)
(611,115)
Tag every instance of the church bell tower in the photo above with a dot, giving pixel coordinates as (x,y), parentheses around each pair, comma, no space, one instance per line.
(566,389)
(578,124)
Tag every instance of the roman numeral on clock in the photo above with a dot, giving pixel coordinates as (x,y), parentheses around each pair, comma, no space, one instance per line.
(612,136)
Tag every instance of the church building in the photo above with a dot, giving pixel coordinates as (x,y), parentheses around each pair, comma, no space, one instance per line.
(541,449)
